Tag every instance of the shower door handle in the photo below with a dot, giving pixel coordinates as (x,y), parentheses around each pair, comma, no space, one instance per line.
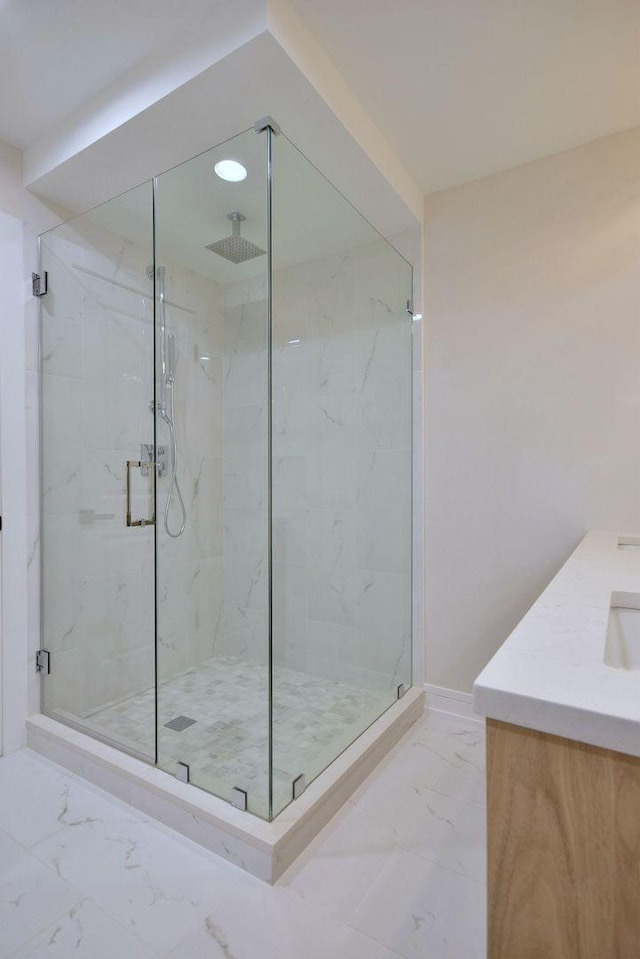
(151,473)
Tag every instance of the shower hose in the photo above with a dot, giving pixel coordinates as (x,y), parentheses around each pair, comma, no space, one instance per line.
(174,485)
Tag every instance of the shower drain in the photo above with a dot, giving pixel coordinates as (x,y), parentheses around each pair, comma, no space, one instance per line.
(180,723)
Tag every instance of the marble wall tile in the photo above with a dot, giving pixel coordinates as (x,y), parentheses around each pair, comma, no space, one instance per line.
(207,600)
(198,413)
(290,614)
(330,648)
(384,381)
(331,295)
(32,333)
(245,354)
(384,537)
(61,581)
(384,623)
(332,453)
(32,408)
(205,505)
(245,437)
(342,466)
(245,559)
(61,323)
(289,531)
(244,633)
(33,611)
(291,401)
(290,294)
(62,406)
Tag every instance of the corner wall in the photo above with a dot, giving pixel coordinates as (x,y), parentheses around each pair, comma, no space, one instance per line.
(532,320)
(22,218)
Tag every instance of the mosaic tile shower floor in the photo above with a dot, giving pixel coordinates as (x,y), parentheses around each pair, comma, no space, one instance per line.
(315,719)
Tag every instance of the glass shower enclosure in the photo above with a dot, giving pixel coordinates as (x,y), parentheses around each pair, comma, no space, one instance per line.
(226,472)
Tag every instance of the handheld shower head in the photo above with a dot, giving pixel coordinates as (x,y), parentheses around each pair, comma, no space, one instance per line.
(171,358)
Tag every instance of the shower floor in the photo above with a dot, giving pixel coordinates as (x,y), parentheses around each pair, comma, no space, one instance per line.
(314,719)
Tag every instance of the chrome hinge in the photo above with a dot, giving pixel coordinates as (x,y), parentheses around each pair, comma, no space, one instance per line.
(401,690)
(43,661)
(265,123)
(39,283)
(410,307)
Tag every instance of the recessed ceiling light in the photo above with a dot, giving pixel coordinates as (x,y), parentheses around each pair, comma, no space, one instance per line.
(230,170)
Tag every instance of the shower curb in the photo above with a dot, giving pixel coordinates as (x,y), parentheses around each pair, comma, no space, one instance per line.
(264,849)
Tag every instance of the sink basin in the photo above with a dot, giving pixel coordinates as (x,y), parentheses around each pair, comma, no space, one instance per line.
(622,647)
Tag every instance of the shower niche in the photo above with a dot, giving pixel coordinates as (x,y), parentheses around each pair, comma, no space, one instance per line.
(226,473)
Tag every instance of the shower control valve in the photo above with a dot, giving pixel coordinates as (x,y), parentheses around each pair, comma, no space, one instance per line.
(149,455)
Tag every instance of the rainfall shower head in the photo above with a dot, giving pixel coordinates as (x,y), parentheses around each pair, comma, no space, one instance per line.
(235,248)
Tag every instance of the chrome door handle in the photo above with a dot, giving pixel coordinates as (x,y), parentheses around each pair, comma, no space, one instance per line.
(146,520)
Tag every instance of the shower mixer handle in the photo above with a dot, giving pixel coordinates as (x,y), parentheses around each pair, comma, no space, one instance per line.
(152,456)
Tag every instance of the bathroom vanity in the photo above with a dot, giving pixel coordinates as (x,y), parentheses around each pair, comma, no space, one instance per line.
(562,701)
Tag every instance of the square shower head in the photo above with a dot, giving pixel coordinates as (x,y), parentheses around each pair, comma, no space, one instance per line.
(235,248)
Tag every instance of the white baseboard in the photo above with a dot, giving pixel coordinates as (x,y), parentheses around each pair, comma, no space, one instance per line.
(451,701)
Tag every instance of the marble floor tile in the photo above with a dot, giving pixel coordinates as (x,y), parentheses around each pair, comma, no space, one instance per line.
(265,923)
(151,882)
(39,799)
(463,778)
(443,829)
(31,796)
(31,895)
(421,910)
(437,744)
(84,932)
(461,747)
(336,870)
(398,872)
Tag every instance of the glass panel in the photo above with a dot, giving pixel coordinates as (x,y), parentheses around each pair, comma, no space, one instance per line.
(212,372)
(341,472)
(97,387)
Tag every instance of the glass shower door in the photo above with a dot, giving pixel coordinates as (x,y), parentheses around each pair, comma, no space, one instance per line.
(212,556)
(97,494)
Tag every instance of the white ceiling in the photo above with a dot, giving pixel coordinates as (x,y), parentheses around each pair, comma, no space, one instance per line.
(460,88)
(466,88)
(57,54)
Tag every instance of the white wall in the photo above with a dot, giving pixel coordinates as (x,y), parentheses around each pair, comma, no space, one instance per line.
(13,560)
(23,217)
(532,387)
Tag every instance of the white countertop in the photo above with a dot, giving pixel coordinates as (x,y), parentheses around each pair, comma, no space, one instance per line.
(550,673)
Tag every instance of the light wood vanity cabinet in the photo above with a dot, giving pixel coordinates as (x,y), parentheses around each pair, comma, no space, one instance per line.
(563,848)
